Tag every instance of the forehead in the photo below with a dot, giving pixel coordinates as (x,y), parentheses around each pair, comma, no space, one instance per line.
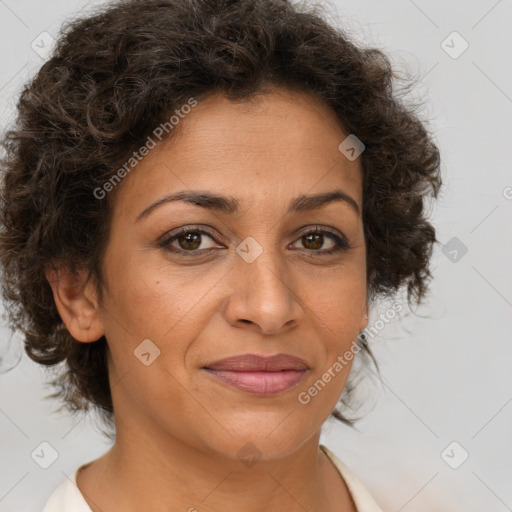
(267,121)
(273,145)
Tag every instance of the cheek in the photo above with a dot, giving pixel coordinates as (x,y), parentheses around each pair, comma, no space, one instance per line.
(337,300)
(169,307)
(336,311)
(149,296)
(146,304)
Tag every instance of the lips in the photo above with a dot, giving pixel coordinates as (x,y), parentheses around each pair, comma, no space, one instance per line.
(258,374)
(254,363)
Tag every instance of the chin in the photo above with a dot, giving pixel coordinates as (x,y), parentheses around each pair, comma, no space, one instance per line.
(259,435)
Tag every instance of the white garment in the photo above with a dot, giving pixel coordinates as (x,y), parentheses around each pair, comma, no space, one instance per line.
(362,498)
(68,498)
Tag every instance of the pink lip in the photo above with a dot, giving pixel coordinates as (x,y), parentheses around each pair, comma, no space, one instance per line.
(259,375)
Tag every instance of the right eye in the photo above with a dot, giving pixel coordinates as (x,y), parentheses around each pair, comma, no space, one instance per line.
(187,241)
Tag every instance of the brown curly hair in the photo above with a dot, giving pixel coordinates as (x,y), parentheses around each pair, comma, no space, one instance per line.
(116,75)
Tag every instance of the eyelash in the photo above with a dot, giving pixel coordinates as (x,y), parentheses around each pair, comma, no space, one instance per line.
(342,243)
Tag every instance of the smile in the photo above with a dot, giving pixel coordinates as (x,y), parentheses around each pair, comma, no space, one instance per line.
(259,375)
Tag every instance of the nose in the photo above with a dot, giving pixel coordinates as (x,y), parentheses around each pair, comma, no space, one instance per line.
(263,295)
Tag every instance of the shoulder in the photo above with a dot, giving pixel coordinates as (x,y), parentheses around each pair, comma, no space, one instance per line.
(361,496)
(67,497)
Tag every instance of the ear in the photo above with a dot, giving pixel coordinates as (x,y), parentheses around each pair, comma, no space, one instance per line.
(76,301)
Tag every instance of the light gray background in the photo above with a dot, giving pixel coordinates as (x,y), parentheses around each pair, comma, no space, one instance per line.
(446,368)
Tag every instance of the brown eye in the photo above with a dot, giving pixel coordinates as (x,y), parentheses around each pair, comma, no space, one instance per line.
(314,241)
(188,241)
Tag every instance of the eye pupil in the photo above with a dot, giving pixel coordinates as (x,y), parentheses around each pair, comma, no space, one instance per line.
(192,240)
(316,244)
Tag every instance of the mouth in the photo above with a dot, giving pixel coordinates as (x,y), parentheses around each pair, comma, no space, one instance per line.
(258,375)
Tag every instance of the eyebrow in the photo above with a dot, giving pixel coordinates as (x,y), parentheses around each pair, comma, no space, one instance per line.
(229,205)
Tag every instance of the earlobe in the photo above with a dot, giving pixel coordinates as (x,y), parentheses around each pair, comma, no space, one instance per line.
(76,302)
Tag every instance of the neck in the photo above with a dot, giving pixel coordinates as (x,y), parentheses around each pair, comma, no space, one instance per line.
(150,470)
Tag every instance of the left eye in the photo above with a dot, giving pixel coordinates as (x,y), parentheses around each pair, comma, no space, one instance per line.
(313,240)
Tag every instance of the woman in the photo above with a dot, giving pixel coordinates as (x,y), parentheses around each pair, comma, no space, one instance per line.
(201,201)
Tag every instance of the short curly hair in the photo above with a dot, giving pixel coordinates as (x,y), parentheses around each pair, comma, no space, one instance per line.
(117,74)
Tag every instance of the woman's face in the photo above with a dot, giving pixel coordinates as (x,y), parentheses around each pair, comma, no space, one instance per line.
(210,281)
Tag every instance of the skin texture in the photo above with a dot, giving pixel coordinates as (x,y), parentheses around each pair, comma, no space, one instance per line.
(179,430)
